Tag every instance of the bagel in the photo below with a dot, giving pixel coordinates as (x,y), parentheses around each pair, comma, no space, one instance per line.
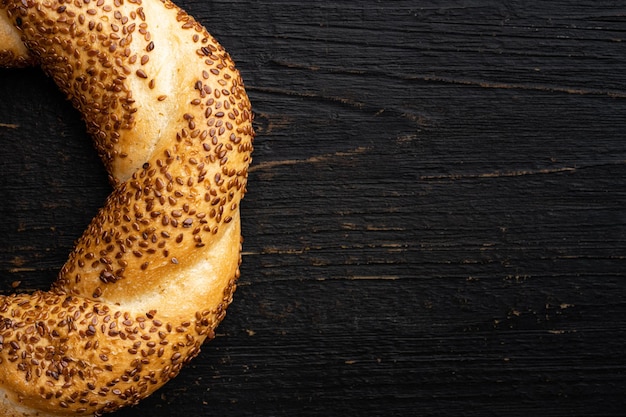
(152,275)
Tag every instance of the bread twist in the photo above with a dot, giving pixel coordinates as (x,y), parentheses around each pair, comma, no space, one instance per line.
(152,275)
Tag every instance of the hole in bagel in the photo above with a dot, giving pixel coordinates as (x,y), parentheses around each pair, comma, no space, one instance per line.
(53,182)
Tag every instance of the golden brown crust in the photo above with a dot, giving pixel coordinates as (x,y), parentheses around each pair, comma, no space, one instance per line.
(152,275)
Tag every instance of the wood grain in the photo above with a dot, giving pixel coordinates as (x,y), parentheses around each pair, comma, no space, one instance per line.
(435,223)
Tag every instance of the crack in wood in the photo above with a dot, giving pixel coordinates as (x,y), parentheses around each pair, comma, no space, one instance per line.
(458,81)
(304,94)
(497,174)
(515,173)
(311,160)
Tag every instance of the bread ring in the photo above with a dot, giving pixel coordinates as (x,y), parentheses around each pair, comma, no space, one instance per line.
(152,275)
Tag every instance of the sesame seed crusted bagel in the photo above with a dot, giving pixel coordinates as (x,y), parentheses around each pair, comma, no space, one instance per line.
(151,277)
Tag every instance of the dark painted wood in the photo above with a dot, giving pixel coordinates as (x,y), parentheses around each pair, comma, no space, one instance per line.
(435,222)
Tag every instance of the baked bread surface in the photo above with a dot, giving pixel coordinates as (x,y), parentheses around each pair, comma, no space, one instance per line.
(152,275)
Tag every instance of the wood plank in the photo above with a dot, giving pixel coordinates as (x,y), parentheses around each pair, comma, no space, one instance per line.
(435,223)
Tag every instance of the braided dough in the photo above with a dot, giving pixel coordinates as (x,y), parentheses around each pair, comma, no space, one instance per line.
(152,275)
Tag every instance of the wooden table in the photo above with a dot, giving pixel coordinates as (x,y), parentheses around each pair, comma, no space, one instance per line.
(435,223)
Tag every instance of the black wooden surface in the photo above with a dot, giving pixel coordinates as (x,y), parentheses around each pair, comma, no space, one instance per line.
(435,222)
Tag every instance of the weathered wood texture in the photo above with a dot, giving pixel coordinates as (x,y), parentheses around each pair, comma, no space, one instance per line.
(436,219)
